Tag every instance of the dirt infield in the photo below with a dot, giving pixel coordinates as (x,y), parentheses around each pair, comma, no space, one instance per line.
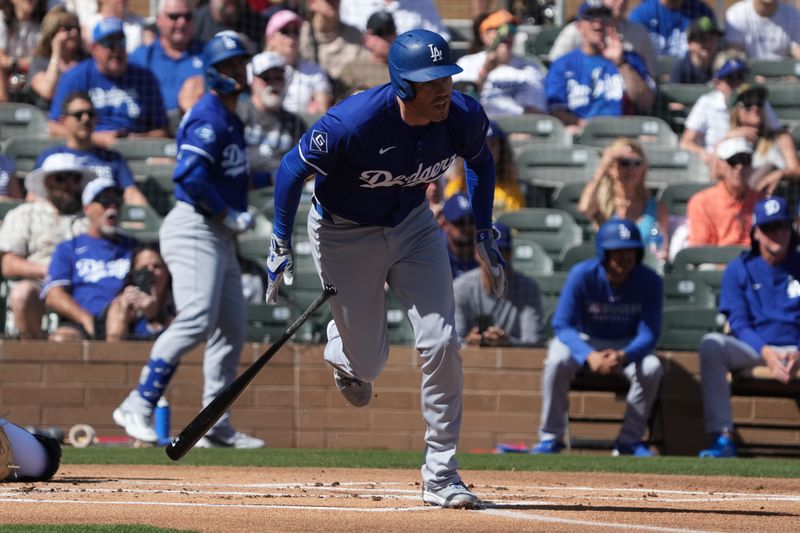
(271,499)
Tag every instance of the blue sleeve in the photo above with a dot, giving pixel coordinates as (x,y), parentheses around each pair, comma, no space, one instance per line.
(288,189)
(640,15)
(66,85)
(123,172)
(566,317)
(638,64)
(556,85)
(649,328)
(192,173)
(139,56)
(59,272)
(321,147)
(480,175)
(733,303)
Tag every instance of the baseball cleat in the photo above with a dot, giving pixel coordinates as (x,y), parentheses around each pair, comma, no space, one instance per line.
(723,446)
(354,390)
(136,425)
(452,496)
(549,446)
(238,440)
(636,449)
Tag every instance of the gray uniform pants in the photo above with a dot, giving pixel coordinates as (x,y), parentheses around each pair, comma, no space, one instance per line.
(207,288)
(412,259)
(560,369)
(720,354)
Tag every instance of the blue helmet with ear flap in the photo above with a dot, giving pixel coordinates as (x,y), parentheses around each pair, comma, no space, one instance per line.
(419,56)
(618,234)
(222,46)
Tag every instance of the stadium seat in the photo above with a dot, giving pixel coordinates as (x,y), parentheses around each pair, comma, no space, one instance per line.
(540,39)
(601,131)
(543,168)
(683,327)
(267,323)
(566,198)
(530,258)
(146,156)
(254,244)
(301,246)
(21,119)
(773,70)
(549,290)
(24,149)
(460,30)
(667,164)
(538,128)
(685,291)
(159,190)
(553,229)
(675,196)
(305,289)
(663,67)
(675,100)
(785,99)
(140,221)
(705,263)
(575,254)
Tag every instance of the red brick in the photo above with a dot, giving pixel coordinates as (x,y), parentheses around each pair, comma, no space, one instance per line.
(519,402)
(776,409)
(313,398)
(482,358)
(44,395)
(527,359)
(262,418)
(317,376)
(24,415)
(398,421)
(80,373)
(482,421)
(68,416)
(398,378)
(392,399)
(21,372)
(118,352)
(377,440)
(274,375)
(42,351)
(310,439)
(335,419)
(274,397)
(500,380)
(480,402)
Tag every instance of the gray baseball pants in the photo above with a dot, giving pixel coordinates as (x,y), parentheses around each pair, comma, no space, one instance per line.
(560,369)
(412,259)
(207,287)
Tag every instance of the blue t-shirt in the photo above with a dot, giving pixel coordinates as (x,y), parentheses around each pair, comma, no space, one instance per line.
(590,304)
(762,302)
(132,101)
(373,168)
(104,163)
(7,171)
(667,26)
(170,73)
(212,157)
(590,86)
(93,268)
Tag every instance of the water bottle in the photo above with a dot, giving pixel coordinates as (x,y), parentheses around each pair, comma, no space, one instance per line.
(655,245)
(161,420)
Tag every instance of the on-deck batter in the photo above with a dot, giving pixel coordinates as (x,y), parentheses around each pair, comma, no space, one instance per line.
(374,155)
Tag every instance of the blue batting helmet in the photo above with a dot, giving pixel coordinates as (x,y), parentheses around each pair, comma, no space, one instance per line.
(618,234)
(222,46)
(419,56)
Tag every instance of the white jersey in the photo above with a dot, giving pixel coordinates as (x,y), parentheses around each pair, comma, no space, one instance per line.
(303,83)
(407,14)
(509,89)
(763,37)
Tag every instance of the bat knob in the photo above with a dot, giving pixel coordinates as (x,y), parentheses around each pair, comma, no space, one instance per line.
(330,290)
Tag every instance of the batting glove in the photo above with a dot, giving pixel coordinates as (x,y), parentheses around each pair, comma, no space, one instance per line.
(490,256)
(238,221)
(279,266)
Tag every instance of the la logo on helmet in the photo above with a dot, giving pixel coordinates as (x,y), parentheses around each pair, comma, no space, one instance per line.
(772,207)
(624,233)
(436,54)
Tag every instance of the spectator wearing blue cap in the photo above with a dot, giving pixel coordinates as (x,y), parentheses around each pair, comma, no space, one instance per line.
(600,78)
(458,224)
(482,319)
(132,24)
(760,296)
(607,320)
(709,120)
(668,21)
(126,96)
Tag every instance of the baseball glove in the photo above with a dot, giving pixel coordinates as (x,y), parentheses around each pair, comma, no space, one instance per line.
(6,455)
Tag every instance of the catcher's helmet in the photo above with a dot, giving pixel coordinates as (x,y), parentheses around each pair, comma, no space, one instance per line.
(618,234)
(222,46)
(418,55)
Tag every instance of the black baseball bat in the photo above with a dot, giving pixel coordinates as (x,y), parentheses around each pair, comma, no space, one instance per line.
(198,427)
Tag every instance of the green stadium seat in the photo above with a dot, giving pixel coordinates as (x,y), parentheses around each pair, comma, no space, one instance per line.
(705,263)
(553,229)
(254,244)
(148,155)
(773,70)
(667,164)
(543,168)
(663,67)
(550,286)
(529,258)
(575,254)
(602,131)
(460,30)
(140,221)
(538,128)
(305,289)
(24,149)
(540,39)
(159,189)
(685,291)
(267,323)
(675,100)
(21,119)
(785,99)
(566,198)
(683,327)
(675,196)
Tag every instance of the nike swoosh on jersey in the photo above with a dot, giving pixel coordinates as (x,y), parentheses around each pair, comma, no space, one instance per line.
(384,150)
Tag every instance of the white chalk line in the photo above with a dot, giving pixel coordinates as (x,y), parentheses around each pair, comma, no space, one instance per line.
(518,515)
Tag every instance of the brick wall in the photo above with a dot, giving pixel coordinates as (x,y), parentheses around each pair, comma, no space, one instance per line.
(293,402)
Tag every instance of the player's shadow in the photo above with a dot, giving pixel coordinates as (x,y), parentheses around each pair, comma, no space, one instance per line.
(628,509)
(75,480)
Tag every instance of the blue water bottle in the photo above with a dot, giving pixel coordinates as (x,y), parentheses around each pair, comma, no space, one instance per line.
(161,421)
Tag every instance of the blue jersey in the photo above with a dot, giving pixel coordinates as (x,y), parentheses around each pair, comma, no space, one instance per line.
(93,268)
(373,169)
(170,73)
(589,304)
(762,302)
(104,163)
(213,138)
(667,26)
(131,102)
(587,86)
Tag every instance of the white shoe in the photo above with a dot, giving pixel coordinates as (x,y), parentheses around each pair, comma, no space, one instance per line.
(238,440)
(355,391)
(453,496)
(136,425)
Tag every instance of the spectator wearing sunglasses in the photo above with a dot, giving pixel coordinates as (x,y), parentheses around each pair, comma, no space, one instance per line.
(708,121)
(721,215)
(774,151)
(760,296)
(30,232)
(174,57)
(309,89)
(78,119)
(235,15)
(132,24)
(618,189)
(126,97)
(60,49)
(88,272)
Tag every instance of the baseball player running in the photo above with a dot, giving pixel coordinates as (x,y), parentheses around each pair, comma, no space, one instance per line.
(374,155)
(198,242)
